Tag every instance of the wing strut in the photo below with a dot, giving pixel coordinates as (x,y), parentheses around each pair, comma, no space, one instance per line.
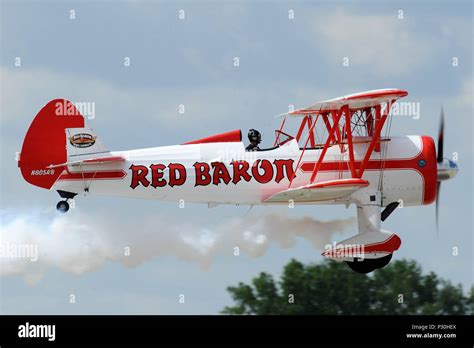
(371,108)
(376,137)
(310,137)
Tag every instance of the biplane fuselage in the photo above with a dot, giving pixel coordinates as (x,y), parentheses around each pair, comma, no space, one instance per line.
(224,173)
(338,156)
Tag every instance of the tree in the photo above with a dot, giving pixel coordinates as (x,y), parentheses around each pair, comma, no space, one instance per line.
(332,288)
(470,302)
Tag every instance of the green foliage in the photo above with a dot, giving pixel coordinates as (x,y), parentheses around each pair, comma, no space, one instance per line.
(332,288)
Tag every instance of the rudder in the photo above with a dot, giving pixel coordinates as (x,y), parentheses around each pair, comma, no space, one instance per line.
(45,142)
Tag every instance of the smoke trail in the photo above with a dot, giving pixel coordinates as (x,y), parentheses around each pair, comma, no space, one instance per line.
(78,243)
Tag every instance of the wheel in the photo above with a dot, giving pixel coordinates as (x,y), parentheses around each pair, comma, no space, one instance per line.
(62,206)
(369,265)
(383,261)
(362,267)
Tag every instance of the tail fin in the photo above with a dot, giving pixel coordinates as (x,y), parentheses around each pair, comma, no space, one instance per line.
(82,142)
(45,142)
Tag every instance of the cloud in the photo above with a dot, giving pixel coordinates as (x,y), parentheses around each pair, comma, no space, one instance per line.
(152,114)
(379,44)
(123,104)
(465,98)
(77,243)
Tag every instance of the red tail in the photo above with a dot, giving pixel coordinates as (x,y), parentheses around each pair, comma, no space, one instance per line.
(45,142)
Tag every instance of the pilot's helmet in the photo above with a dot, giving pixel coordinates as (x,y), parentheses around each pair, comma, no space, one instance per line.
(254,136)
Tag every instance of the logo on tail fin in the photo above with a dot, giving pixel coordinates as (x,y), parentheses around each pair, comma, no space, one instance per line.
(82,140)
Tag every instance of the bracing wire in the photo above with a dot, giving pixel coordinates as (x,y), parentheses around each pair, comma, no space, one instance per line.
(384,152)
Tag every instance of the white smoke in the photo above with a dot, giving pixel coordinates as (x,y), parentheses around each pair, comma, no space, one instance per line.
(78,243)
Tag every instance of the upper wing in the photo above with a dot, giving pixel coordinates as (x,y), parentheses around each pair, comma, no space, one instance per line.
(354,101)
(321,191)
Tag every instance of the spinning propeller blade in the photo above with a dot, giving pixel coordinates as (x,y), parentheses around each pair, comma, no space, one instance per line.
(439,159)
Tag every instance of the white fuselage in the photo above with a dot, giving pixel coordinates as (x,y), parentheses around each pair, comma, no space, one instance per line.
(398,174)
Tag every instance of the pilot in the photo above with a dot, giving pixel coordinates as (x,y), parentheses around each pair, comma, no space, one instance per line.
(255,138)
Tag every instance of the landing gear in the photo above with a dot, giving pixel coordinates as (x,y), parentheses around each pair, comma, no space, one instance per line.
(369,265)
(62,206)
(388,210)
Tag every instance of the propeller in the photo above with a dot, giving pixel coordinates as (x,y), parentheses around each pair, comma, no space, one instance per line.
(440,137)
(439,159)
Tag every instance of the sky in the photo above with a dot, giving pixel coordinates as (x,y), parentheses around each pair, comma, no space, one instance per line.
(184,53)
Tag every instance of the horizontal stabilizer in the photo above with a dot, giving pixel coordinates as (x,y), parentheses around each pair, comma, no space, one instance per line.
(321,191)
(91,161)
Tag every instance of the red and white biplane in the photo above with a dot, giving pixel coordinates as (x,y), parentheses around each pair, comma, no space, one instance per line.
(337,156)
